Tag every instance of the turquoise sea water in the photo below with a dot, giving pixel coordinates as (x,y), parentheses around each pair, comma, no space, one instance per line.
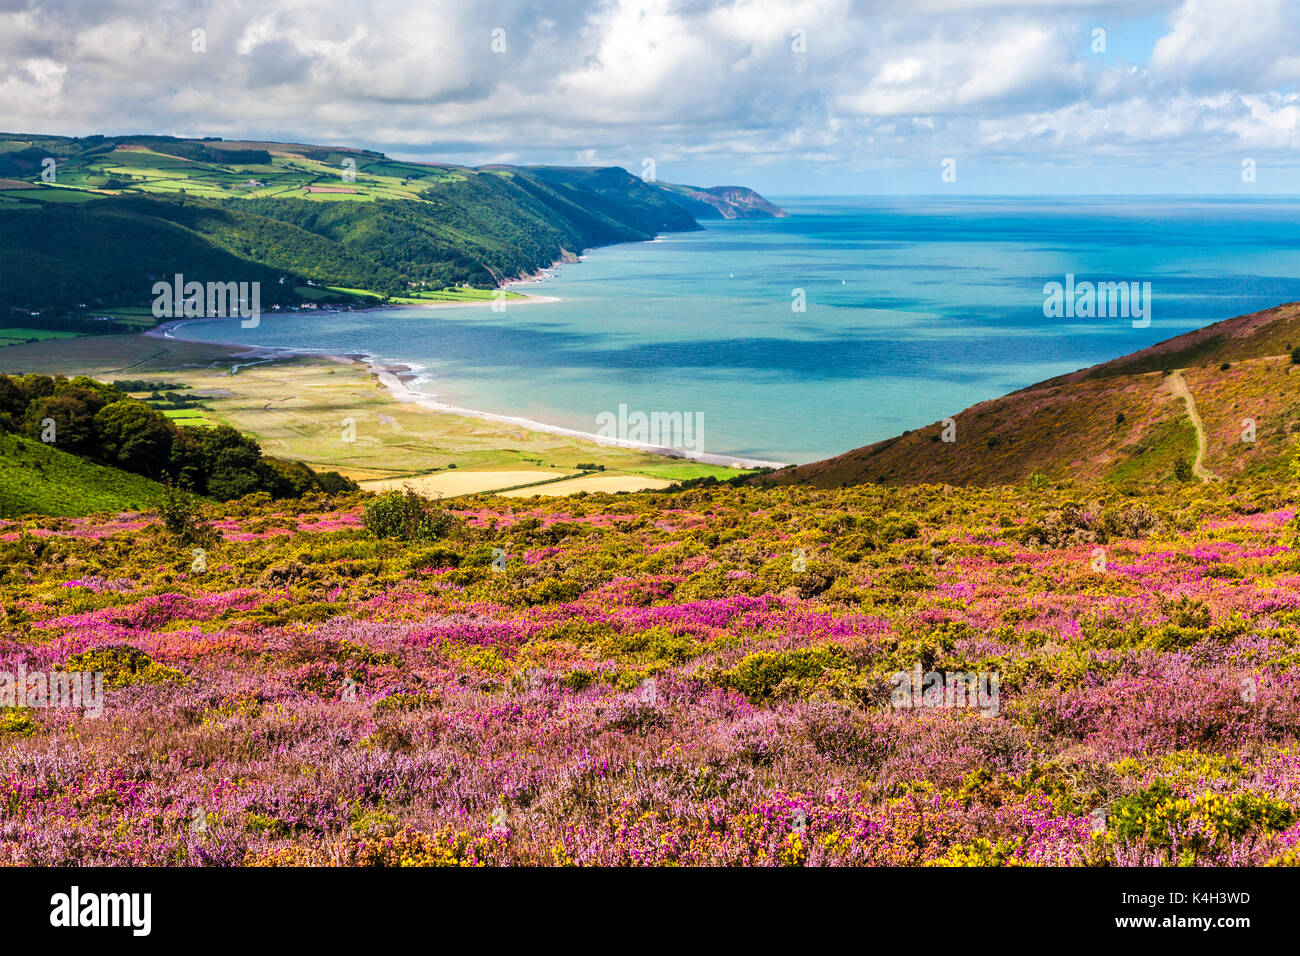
(915,309)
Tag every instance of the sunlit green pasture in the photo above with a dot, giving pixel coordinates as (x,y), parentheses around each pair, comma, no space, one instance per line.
(14,336)
(138,169)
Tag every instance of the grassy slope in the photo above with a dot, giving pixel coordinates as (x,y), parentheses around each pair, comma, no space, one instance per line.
(106,252)
(38,479)
(1071,426)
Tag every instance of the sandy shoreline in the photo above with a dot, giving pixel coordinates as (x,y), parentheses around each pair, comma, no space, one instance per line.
(395,379)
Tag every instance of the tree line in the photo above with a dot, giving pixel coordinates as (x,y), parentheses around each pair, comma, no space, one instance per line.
(96,421)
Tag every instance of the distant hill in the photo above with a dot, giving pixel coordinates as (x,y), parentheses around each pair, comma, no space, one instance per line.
(1138,419)
(91,222)
(723,202)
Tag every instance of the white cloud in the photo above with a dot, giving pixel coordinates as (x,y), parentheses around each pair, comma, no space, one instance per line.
(1248,44)
(700,82)
(960,71)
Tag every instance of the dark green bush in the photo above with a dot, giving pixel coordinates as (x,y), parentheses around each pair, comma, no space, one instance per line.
(407,516)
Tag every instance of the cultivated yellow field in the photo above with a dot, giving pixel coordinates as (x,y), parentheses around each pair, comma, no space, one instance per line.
(591,483)
(449,483)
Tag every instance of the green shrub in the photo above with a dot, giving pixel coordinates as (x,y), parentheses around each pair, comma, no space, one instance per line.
(432,558)
(1194,827)
(769,675)
(181,516)
(578,680)
(122,666)
(16,722)
(554,591)
(406,516)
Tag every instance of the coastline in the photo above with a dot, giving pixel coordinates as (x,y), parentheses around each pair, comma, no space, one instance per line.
(528,298)
(396,378)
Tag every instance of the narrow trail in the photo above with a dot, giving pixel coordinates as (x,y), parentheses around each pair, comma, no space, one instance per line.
(1178,385)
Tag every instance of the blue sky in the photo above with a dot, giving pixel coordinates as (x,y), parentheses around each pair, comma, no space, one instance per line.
(788,96)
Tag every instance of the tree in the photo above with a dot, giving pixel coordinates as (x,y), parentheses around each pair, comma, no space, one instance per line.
(185,462)
(331,482)
(132,436)
(73,417)
(293,479)
(37,386)
(93,392)
(233,463)
(13,402)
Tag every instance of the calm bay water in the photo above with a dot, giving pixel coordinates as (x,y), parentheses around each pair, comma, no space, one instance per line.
(915,309)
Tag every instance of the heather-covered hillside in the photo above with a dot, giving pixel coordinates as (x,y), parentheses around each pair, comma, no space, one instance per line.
(709,676)
(1133,421)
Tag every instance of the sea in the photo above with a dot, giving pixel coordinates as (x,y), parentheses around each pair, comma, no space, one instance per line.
(856,318)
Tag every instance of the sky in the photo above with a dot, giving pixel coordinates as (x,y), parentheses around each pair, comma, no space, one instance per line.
(808,97)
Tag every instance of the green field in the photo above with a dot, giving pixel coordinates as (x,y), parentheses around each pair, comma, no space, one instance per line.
(188,416)
(455,295)
(11,336)
(21,336)
(50,194)
(686,470)
(139,169)
(38,478)
(141,317)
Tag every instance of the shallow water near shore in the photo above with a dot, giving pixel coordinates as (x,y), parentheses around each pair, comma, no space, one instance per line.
(913,310)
